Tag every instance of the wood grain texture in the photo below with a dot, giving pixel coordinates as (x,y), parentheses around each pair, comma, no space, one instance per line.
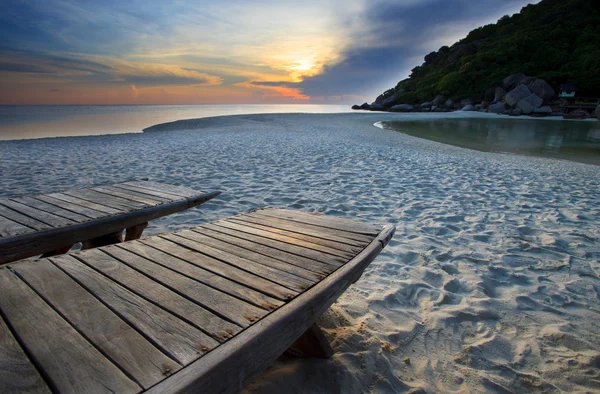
(17,373)
(250,255)
(183,264)
(9,228)
(346,254)
(176,338)
(246,355)
(42,216)
(145,199)
(306,229)
(172,189)
(116,339)
(280,277)
(85,203)
(23,220)
(106,199)
(70,363)
(50,208)
(208,303)
(149,192)
(84,211)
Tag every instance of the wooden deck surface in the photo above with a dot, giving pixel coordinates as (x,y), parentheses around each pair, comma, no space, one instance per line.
(32,225)
(145,314)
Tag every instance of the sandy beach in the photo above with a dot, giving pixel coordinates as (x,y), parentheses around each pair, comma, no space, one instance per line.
(489,285)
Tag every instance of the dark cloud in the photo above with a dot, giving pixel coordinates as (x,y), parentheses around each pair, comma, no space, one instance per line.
(162,80)
(22,68)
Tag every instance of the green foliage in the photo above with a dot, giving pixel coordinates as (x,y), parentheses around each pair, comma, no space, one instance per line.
(557,40)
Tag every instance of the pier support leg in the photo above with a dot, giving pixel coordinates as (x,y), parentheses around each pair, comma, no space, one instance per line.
(104,240)
(135,232)
(311,344)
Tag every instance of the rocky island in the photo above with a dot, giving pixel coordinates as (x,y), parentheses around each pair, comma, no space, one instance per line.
(520,65)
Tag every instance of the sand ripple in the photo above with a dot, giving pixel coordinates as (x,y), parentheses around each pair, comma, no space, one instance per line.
(490,284)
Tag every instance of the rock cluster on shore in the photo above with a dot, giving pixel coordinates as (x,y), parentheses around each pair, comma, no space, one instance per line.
(518,95)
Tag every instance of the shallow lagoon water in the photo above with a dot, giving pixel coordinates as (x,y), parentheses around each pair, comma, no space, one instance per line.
(490,284)
(559,139)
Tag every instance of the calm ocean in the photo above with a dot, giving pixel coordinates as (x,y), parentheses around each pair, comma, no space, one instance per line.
(26,122)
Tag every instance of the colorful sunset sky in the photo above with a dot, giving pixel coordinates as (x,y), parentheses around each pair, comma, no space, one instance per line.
(223,52)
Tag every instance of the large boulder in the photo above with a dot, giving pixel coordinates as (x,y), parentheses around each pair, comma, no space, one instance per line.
(499,94)
(545,110)
(439,100)
(390,101)
(497,108)
(542,89)
(516,112)
(402,108)
(355,106)
(516,95)
(597,112)
(468,108)
(376,107)
(448,103)
(489,94)
(512,81)
(529,104)
(465,102)
(426,104)
(386,95)
(365,106)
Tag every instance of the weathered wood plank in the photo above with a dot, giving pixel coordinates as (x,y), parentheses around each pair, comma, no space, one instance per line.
(175,337)
(250,254)
(156,292)
(44,217)
(304,227)
(323,221)
(50,208)
(246,355)
(84,211)
(69,362)
(172,189)
(149,192)
(22,219)
(183,264)
(85,203)
(105,200)
(280,277)
(298,229)
(17,373)
(145,199)
(9,228)
(334,261)
(344,253)
(299,261)
(117,340)
(208,298)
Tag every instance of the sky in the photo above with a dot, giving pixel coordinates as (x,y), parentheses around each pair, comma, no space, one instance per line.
(223,52)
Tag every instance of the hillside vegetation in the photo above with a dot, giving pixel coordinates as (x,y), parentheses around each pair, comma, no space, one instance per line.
(555,40)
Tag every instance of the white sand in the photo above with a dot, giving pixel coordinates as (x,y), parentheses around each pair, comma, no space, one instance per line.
(490,284)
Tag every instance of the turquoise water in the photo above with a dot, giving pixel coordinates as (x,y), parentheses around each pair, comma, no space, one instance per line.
(27,122)
(558,139)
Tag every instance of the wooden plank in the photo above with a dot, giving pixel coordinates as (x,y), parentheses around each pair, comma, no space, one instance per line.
(298,229)
(347,254)
(334,261)
(184,265)
(310,229)
(172,189)
(85,203)
(299,261)
(246,355)
(105,200)
(22,219)
(31,244)
(114,337)
(323,221)
(69,362)
(211,299)
(113,191)
(54,209)
(149,192)
(156,292)
(9,228)
(17,373)
(176,338)
(44,217)
(280,277)
(252,255)
(84,211)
